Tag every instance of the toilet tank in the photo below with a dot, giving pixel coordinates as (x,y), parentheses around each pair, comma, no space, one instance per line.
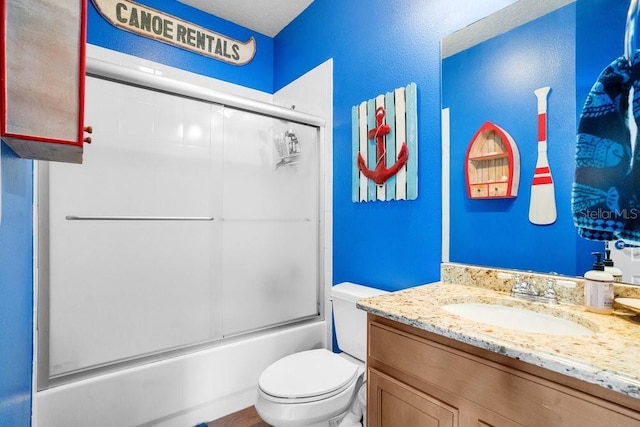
(350,322)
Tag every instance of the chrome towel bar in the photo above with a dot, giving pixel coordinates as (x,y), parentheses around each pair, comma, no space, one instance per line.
(137,218)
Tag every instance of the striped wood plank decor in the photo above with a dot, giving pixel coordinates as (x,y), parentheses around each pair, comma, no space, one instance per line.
(401,114)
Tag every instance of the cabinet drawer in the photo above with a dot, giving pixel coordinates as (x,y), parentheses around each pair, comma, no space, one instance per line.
(498,189)
(478,191)
(432,363)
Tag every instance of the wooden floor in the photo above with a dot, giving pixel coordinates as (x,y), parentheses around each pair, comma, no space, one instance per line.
(246,418)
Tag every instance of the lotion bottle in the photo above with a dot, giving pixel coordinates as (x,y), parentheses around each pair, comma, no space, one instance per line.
(598,288)
(610,268)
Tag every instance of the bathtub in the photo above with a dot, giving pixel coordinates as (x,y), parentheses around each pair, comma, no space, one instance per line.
(179,391)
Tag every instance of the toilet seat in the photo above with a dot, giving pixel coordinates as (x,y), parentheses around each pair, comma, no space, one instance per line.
(307,376)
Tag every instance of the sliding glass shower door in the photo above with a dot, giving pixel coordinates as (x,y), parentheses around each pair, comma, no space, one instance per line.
(188,222)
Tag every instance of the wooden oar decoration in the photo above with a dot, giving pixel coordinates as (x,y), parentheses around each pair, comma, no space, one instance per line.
(542,206)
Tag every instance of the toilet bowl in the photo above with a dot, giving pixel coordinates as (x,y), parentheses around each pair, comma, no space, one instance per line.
(310,388)
(316,388)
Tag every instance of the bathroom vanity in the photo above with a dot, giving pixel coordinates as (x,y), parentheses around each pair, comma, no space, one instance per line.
(427,366)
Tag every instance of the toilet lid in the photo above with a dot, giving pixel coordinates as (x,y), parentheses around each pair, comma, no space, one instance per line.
(307,374)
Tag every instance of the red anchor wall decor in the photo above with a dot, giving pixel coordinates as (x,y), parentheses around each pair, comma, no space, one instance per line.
(381,173)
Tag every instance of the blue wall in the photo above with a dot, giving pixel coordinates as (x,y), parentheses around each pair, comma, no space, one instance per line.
(378,46)
(16,290)
(600,27)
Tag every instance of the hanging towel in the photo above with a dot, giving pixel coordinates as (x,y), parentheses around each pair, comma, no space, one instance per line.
(603,190)
(631,230)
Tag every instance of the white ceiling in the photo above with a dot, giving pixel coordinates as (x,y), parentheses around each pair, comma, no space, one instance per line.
(264,16)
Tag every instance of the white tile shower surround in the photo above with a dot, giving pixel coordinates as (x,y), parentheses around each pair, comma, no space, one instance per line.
(211,383)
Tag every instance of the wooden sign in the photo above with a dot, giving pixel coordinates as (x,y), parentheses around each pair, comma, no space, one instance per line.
(384,135)
(154,24)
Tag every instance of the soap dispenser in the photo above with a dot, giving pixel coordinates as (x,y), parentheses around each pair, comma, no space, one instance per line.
(598,288)
(609,267)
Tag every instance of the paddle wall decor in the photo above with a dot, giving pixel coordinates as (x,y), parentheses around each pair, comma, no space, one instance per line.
(384,137)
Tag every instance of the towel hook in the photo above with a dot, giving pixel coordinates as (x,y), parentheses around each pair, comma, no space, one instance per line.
(630,31)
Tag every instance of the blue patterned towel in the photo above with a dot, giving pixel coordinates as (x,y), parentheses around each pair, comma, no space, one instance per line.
(631,230)
(604,199)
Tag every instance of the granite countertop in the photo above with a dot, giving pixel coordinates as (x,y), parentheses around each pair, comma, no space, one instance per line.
(610,357)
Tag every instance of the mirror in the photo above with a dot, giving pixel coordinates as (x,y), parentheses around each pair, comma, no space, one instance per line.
(494,123)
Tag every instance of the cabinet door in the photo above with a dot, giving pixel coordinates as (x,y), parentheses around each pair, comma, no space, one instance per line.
(42,70)
(392,403)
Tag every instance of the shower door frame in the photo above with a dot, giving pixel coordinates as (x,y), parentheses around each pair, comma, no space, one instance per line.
(122,75)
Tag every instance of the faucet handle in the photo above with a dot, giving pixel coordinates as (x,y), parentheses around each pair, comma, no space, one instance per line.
(518,280)
(550,288)
(518,285)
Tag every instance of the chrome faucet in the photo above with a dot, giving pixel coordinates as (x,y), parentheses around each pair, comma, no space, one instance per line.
(529,291)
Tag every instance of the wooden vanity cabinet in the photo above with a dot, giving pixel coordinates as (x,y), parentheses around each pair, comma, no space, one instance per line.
(43,70)
(416,378)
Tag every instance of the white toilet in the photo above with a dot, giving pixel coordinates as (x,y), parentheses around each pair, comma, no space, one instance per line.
(315,388)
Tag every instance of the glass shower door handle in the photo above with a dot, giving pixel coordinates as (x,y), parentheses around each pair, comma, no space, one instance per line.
(136,218)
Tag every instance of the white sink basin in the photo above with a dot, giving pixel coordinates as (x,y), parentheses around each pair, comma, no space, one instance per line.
(518,319)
